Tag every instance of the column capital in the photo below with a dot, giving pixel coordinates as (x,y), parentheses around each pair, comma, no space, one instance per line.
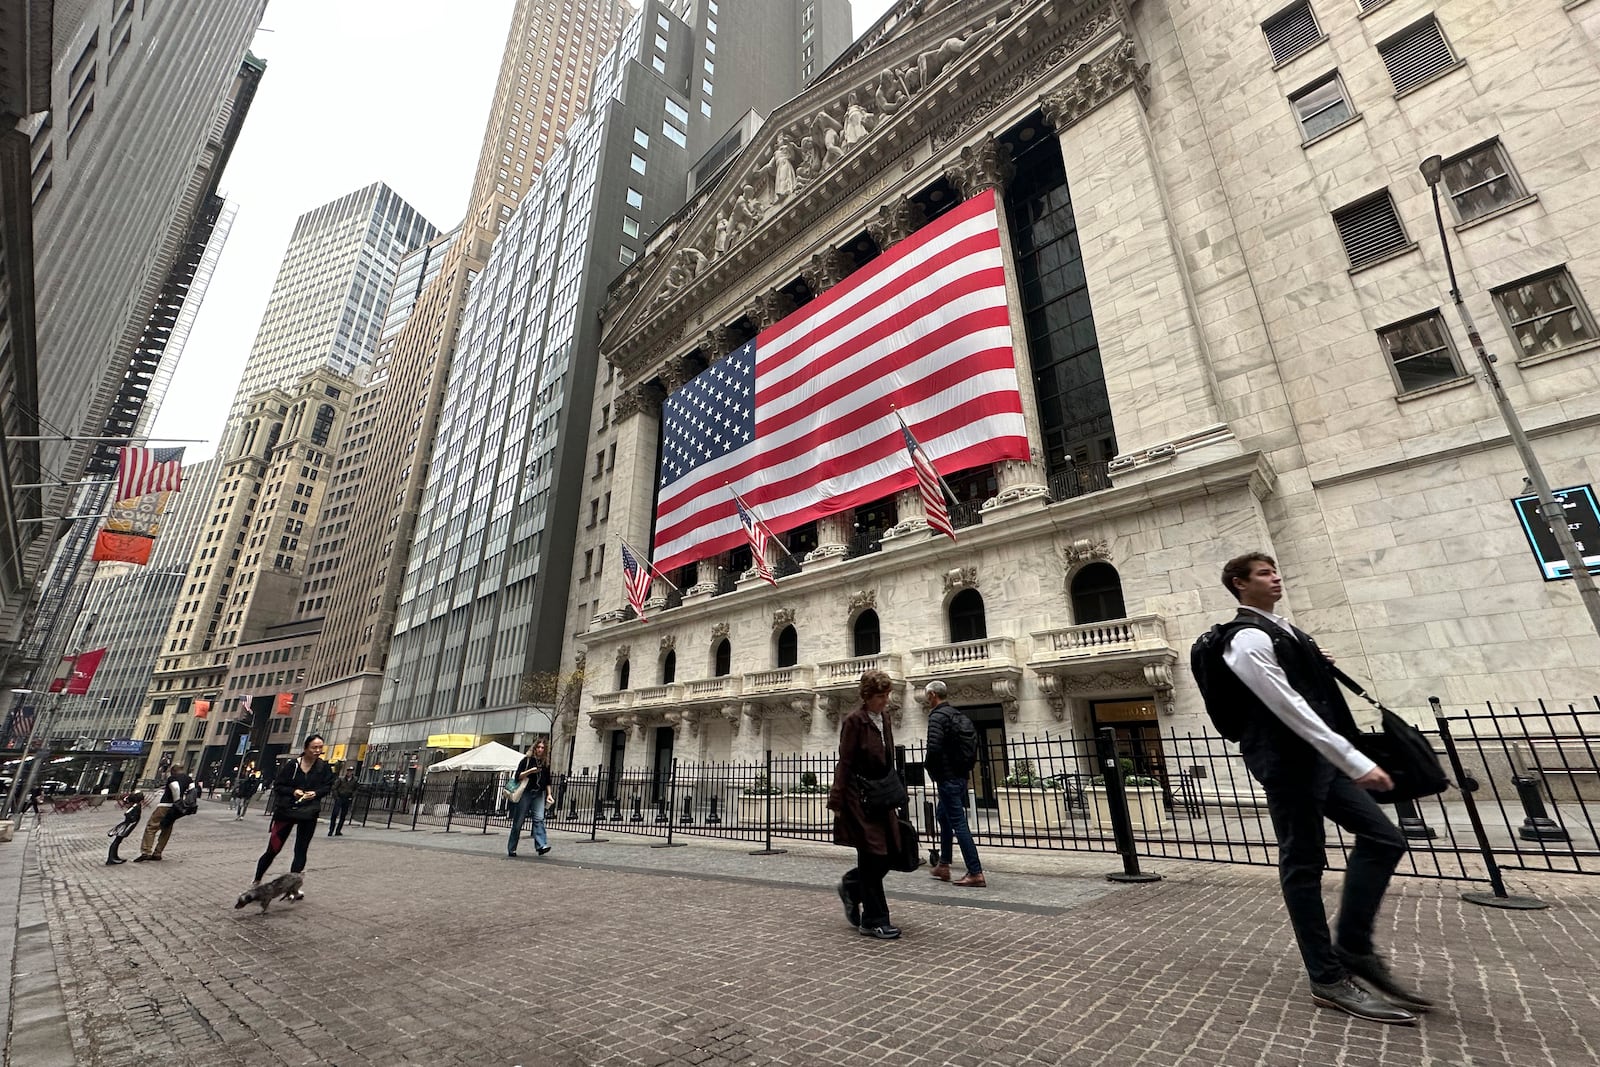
(826,269)
(985,165)
(895,221)
(1095,82)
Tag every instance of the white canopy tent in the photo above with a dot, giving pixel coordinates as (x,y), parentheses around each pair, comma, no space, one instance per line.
(490,757)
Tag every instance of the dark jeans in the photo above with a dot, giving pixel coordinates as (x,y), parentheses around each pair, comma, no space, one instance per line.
(304,831)
(952,813)
(1297,817)
(341,812)
(864,882)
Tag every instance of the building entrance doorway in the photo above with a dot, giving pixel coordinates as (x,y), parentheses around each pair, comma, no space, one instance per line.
(990,771)
(617,747)
(661,765)
(1138,734)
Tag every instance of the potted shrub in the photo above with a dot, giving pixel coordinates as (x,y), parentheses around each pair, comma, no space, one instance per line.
(1031,801)
(806,804)
(753,800)
(1146,804)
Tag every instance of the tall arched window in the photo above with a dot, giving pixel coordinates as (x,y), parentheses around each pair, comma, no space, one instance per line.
(1097,594)
(622,673)
(669,668)
(966,617)
(866,634)
(788,647)
(722,659)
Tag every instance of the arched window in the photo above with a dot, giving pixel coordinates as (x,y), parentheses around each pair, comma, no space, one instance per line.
(966,617)
(866,633)
(788,647)
(722,659)
(1097,594)
(622,673)
(669,668)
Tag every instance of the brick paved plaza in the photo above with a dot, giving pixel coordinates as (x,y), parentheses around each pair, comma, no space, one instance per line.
(431,948)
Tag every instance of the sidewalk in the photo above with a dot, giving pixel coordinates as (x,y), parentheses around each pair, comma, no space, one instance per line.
(428,948)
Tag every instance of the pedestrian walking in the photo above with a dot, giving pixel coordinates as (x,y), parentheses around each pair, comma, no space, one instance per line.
(34,796)
(248,785)
(132,808)
(866,754)
(1297,742)
(533,770)
(952,753)
(297,794)
(158,827)
(344,795)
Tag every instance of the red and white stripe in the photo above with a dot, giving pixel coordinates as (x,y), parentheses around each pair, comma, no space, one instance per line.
(139,473)
(924,327)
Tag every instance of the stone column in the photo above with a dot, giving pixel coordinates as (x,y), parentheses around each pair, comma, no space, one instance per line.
(978,168)
(708,575)
(912,513)
(833,537)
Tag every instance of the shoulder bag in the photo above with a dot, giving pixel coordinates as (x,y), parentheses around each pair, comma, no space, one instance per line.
(908,857)
(513,795)
(1401,750)
(879,795)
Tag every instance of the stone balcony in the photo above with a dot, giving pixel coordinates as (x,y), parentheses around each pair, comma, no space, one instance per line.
(985,671)
(1118,657)
(839,683)
(782,690)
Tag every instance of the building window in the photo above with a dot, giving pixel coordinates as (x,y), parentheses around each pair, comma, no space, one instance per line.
(1321,106)
(626,255)
(677,111)
(635,198)
(864,634)
(1370,229)
(641,138)
(1416,54)
(967,620)
(1420,353)
(1097,595)
(722,659)
(659,64)
(1545,313)
(673,134)
(788,647)
(637,162)
(669,668)
(1481,180)
(630,226)
(1292,32)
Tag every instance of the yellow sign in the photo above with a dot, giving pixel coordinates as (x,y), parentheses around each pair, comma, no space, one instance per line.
(338,754)
(452,740)
(361,753)
(1124,711)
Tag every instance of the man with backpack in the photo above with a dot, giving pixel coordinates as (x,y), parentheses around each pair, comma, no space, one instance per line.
(952,751)
(1270,687)
(179,797)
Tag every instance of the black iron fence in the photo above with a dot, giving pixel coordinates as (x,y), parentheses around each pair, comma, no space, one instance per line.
(1527,797)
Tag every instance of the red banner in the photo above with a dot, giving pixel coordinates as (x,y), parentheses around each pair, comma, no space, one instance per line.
(122,548)
(202,708)
(63,673)
(283,704)
(83,671)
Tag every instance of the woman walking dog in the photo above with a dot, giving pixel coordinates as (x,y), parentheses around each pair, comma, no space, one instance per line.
(297,795)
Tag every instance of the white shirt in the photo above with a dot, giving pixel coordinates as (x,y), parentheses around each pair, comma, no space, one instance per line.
(1251,657)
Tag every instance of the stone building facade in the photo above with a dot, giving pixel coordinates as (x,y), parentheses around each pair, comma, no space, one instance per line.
(1232,332)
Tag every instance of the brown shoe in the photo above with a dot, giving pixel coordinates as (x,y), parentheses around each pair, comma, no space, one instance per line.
(941,872)
(971,881)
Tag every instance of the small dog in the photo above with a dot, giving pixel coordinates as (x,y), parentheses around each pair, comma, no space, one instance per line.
(283,887)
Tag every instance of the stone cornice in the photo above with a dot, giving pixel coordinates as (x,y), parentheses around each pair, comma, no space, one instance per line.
(817,152)
(1070,519)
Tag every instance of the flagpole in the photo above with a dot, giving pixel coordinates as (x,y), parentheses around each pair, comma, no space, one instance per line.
(770,535)
(641,556)
(69,438)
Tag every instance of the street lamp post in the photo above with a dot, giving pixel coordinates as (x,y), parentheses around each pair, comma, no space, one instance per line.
(1432,170)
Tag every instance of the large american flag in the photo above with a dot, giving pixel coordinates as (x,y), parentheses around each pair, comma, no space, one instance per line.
(141,471)
(800,422)
(636,579)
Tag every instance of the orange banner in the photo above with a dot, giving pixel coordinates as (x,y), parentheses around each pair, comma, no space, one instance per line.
(283,704)
(202,708)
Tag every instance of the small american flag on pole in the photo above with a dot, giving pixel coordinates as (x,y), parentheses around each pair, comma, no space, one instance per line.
(636,578)
(142,471)
(930,485)
(756,531)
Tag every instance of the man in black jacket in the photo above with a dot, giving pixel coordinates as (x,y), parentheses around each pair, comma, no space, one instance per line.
(1298,745)
(949,763)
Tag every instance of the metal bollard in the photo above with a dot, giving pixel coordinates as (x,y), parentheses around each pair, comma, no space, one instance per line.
(1117,802)
(1538,826)
(1412,824)
(638,811)
(661,811)
(712,817)
(687,818)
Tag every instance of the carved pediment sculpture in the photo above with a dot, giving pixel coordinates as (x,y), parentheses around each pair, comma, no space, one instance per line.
(782,617)
(862,599)
(960,578)
(719,631)
(669,643)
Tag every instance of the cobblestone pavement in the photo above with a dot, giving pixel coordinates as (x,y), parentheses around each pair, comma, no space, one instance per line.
(430,948)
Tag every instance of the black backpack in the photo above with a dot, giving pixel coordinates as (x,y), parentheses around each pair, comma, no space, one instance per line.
(960,744)
(189,803)
(1228,701)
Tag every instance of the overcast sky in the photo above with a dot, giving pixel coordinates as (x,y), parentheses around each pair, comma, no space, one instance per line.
(355,92)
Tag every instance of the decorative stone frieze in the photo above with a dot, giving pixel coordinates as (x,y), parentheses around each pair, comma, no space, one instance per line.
(826,269)
(1095,82)
(1084,550)
(669,643)
(895,221)
(630,402)
(782,617)
(862,599)
(770,307)
(960,578)
(623,652)
(985,165)
(718,342)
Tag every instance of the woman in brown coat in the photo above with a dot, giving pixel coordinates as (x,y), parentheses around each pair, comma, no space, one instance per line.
(866,750)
